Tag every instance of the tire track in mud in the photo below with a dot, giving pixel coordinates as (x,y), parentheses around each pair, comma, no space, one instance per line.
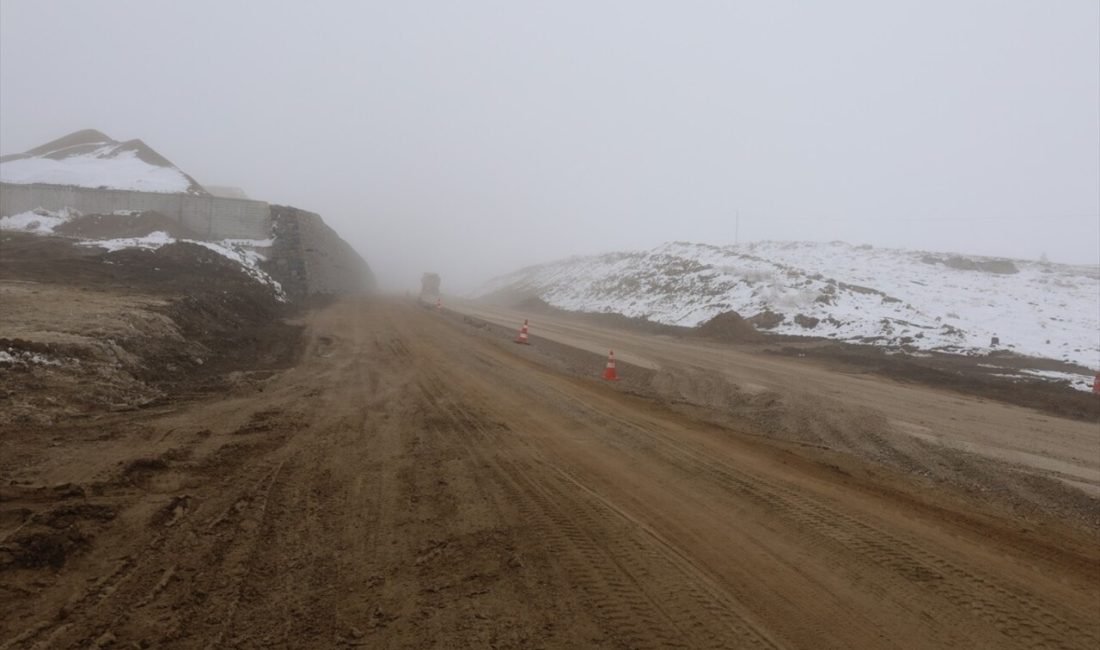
(641,589)
(694,615)
(240,562)
(440,491)
(96,593)
(147,572)
(1021,619)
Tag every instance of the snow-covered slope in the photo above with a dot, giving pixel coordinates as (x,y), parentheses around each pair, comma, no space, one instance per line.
(839,291)
(89,158)
(248,253)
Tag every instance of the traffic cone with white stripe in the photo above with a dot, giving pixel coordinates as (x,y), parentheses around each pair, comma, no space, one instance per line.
(522,338)
(609,372)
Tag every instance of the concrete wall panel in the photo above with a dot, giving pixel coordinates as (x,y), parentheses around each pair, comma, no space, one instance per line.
(210,216)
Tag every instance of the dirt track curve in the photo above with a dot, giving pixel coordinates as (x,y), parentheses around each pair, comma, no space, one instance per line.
(415,482)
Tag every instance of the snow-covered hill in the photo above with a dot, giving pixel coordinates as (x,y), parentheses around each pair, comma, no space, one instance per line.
(89,158)
(929,301)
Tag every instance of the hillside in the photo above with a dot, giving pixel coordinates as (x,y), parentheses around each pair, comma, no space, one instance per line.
(89,158)
(91,326)
(53,190)
(142,231)
(860,294)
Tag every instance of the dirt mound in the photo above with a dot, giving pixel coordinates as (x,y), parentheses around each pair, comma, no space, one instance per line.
(124,224)
(87,331)
(729,326)
(175,269)
(767,319)
(807,322)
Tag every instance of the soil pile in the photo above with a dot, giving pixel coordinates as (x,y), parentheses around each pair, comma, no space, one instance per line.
(729,326)
(128,224)
(85,331)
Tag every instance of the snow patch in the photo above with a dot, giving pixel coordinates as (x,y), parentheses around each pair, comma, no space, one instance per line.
(1075,380)
(152,241)
(39,221)
(247,256)
(105,167)
(242,251)
(12,357)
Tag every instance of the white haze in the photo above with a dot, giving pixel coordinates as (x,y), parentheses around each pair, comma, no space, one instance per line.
(472,138)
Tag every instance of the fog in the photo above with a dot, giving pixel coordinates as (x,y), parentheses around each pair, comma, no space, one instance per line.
(474,138)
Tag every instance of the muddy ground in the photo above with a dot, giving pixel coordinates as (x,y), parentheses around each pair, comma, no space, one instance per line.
(84,331)
(995,376)
(389,475)
(805,419)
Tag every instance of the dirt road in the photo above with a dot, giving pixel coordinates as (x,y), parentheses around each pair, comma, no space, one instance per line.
(1064,449)
(419,482)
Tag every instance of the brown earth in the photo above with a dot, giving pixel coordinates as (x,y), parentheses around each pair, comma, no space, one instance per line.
(927,431)
(85,331)
(997,375)
(729,326)
(418,480)
(132,224)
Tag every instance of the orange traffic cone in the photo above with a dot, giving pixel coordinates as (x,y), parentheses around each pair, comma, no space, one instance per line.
(522,338)
(609,372)
(439,304)
(1096,384)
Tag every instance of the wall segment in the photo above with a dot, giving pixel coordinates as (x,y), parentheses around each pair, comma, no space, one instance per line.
(210,216)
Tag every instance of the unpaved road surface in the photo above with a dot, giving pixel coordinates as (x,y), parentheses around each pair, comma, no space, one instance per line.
(1060,448)
(416,481)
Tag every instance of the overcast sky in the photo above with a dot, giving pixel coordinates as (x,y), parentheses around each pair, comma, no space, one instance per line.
(472,138)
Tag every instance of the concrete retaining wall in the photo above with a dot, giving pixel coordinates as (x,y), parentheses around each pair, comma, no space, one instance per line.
(209,216)
(309,258)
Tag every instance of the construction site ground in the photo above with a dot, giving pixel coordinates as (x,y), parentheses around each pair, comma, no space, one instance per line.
(415,479)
